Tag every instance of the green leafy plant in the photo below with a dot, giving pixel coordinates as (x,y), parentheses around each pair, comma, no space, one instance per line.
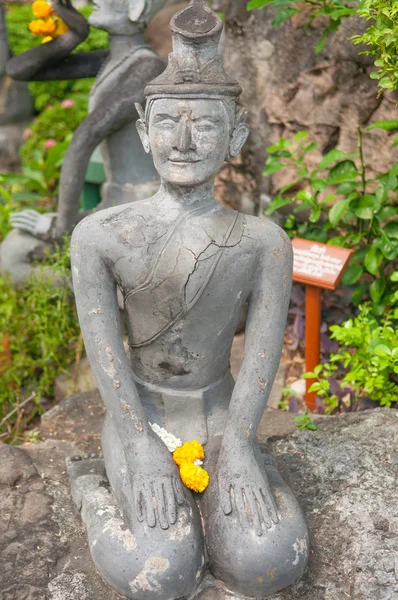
(304,422)
(55,123)
(36,187)
(366,361)
(382,36)
(344,207)
(39,335)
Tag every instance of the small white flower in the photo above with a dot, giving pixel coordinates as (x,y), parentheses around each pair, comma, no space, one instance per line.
(170,440)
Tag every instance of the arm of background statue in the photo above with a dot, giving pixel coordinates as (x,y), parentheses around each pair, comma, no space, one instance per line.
(151,472)
(115,110)
(53,60)
(37,67)
(266,321)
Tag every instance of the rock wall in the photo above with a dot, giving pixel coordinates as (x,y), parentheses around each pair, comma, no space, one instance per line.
(288,88)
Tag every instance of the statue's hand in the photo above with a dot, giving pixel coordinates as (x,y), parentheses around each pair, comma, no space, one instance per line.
(244,487)
(75,21)
(157,488)
(32,222)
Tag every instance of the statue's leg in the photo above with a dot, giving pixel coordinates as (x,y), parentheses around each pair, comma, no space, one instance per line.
(252,565)
(141,563)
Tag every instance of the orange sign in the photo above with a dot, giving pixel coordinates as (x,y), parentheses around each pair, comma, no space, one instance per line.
(319,264)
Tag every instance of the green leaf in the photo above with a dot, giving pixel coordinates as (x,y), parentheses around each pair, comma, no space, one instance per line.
(257,4)
(366,207)
(343,171)
(338,211)
(283,15)
(376,289)
(331,157)
(315,214)
(373,260)
(300,135)
(273,168)
(358,293)
(321,42)
(391,229)
(386,213)
(351,275)
(394,276)
(390,125)
(395,142)
(277,203)
(304,195)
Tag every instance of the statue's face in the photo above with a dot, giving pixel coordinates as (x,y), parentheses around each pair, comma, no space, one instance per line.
(110,15)
(189,139)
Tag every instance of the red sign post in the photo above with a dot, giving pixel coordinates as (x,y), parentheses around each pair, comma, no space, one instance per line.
(318,266)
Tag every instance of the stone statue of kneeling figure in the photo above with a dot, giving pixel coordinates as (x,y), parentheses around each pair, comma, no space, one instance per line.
(185,265)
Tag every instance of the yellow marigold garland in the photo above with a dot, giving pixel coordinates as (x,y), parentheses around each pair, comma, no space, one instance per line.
(47,24)
(194,477)
(188,453)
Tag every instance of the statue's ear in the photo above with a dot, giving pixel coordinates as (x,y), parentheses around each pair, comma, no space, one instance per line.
(142,129)
(239,134)
(136,9)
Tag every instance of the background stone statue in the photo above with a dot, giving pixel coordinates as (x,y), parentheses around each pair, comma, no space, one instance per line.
(122,74)
(185,265)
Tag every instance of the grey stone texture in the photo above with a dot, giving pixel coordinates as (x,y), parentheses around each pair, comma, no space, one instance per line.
(344,476)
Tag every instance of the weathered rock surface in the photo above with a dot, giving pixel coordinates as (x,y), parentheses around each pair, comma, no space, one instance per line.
(344,475)
(288,88)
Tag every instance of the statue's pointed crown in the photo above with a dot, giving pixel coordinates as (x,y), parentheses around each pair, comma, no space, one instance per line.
(195,67)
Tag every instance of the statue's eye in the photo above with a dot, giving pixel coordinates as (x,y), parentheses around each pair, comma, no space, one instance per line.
(165,125)
(204,127)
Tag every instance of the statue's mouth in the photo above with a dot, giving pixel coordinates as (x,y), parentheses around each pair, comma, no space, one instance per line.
(183,161)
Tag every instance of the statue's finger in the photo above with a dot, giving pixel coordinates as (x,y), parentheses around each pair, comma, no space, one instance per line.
(225,499)
(150,514)
(263,508)
(179,494)
(270,500)
(255,516)
(170,502)
(241,508)
(160,505)
(22,218)
(138,502)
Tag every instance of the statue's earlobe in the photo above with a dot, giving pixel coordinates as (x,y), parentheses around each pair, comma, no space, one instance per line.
(239,134)
(142,128)
(136,9)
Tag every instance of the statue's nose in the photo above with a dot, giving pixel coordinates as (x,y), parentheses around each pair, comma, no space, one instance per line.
(184,136)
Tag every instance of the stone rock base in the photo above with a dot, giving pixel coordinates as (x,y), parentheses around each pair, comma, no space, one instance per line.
(344,476)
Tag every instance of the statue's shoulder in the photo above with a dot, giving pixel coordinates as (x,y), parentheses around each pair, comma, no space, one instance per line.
(107,226)
(268,236)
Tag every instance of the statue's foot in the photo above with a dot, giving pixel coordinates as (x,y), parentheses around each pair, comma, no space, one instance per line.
(86,474)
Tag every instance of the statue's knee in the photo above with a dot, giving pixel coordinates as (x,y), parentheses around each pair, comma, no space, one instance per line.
(151,564)
(259,566)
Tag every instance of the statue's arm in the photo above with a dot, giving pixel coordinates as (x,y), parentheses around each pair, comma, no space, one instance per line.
(115,110)
(156,489)
(96,300)
(266,321)
(241,477)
